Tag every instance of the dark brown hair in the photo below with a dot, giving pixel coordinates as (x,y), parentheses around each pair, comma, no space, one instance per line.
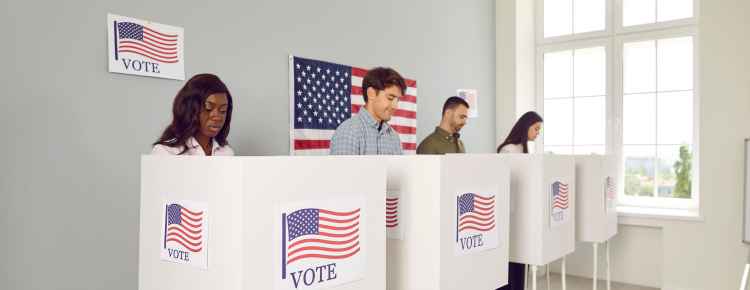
(187,107)
(520,132)
(380,78)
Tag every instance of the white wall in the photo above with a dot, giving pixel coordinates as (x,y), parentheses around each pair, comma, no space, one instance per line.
(505,63)
(514,27)
(635,255)
(708,254)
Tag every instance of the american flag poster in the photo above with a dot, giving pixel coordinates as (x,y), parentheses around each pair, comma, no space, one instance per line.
(322,243)
(145,48)
(324,94)
(476,226)
(393,216)
(559,203)
(184,233)
(610,193)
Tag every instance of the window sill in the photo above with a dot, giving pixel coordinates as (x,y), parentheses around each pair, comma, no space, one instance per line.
(655,217)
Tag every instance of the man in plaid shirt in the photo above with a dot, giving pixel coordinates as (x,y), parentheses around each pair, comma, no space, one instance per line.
(368,133)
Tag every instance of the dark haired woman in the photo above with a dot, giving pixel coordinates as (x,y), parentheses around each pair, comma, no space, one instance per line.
(201,114)
(526,129)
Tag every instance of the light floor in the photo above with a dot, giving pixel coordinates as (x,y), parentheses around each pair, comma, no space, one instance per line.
(579,283)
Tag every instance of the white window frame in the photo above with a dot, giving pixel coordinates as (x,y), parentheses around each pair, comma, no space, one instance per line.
(573,45)
(613,38)
(620,29)
(539,24)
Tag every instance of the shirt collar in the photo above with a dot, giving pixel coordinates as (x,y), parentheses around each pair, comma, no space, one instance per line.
(445,134)
(193,144)
(369,121)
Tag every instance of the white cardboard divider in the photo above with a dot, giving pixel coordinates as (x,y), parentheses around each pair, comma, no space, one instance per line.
(244,197)
(426,256)
(536,238)
(598,183)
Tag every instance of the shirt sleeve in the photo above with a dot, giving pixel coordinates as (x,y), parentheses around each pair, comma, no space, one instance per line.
(426,148)
(399,146)
(161,150)
(226,151)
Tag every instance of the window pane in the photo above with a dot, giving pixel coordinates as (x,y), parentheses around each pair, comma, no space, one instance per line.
(558,17)
(590,120)
(558,76)
(586,150)
(567,150)
(674,171)
(639,170)
(590,71)
(558,122)
(675,118)
(636,12)
(639,67)
(639,119)
(589,15)
(674,9)
(675,65)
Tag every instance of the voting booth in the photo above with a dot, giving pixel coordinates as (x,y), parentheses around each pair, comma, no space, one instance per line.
(447,222)
(262,223)
(598,182)
(542,209)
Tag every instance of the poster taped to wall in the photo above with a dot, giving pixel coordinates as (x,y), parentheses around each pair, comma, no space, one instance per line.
(144,48)
(472,97)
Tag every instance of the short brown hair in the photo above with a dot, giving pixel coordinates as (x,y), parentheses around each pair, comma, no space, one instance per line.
(380,78)
(453,102)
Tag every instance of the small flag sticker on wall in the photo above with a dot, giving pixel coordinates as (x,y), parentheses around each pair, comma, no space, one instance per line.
(144,48)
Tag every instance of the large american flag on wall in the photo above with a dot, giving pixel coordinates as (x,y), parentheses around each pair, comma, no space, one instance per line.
(324,94)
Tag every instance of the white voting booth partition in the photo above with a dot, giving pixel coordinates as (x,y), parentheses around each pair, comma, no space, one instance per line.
(598,183)
(542,209)
(448,222)
(262,223)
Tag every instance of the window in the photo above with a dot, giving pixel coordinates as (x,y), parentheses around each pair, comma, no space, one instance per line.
(658,116)
(640,12)
(575,92)
(573,17)
(628,91)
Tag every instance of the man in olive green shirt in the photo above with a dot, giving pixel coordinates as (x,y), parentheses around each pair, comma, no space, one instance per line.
(445,139)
